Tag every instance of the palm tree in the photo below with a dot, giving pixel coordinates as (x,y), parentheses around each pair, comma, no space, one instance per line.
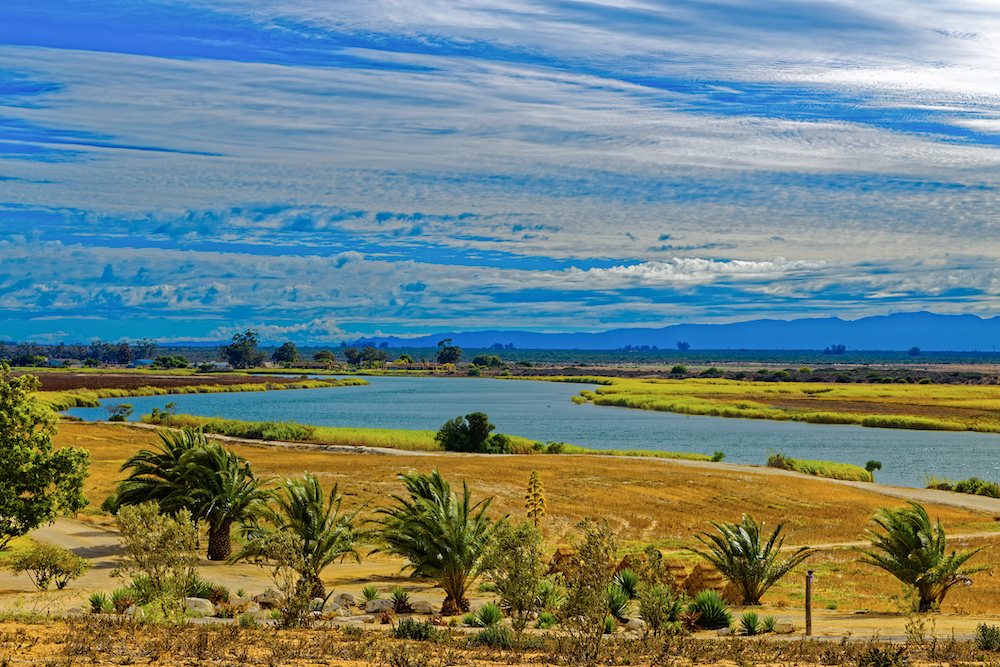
(913,551)
(156,475)
(222,490)
(325,533)
(441,536)
(187,472)
(751,563)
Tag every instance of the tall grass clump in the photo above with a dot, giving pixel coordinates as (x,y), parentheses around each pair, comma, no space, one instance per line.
(267,430)
(912,423)
(828,469)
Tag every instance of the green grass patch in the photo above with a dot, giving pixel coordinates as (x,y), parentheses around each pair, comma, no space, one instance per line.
(914,423)
(828,469)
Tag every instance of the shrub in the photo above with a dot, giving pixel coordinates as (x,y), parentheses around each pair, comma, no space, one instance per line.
(627,580)
(512,566)
(370,592)
(610,625)
(555,447)
(469,619)
(409,628)
(108,504)
(494,636)
(679,369)
(987,637)
(546,620)
(400,600)
(659,607)
(550,594)
(718,455)
(712,372)
(924,381)
(714,611)
(768,622)
(488,615)
(248,622)
(122,599)
(876,656)
(471,433)
(749,623)
(47,563)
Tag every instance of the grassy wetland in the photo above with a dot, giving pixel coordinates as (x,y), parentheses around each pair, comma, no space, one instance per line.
(899,405)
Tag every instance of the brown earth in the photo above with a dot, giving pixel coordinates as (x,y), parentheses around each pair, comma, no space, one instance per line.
(103,380)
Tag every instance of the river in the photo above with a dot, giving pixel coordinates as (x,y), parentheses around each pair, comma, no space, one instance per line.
(543,411)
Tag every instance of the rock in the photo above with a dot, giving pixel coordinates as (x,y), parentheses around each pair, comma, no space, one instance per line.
(378,606)
(199,606)
(316,604)
(344,600)
(344,612)
(269,599)
(78,610)
(784,628)
(725,632)
(135,611)
(363,619)
(240,605)
(422,607)
(636,625)
(331,606)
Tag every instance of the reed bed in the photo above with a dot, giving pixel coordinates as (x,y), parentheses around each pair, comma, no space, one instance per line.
(828,469)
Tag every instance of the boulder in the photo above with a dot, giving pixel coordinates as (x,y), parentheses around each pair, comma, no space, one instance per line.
(378,606)
(135,611)
(78,610)
(199,606)
(422,607)
(725,632)
(363,619)
(316,604)
(636,625)
(344,600)
(240,605)
(784,628)
(269,599)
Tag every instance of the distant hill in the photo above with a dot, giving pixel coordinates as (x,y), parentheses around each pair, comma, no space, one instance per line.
(902,331)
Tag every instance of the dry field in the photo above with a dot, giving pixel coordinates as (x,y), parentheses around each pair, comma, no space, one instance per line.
(648,501)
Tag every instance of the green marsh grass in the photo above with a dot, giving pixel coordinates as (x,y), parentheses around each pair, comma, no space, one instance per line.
(828,469)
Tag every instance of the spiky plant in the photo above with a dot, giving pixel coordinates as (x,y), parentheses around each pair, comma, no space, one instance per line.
(746,558)
(912,549)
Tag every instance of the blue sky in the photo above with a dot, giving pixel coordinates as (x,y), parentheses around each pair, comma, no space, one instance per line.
(320,170)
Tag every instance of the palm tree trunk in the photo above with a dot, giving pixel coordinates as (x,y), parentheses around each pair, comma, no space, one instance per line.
(219,546)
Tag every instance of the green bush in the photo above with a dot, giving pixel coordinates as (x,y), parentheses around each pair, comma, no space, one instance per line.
(471,433)
(100,603)
(370,592)
(610,624)
(409,628)
(714,611)
(109,503)
(768,622)
(987,637)
(679,369)
(877,656)
(47,564)
(718,455)
(659,607)
(494,636)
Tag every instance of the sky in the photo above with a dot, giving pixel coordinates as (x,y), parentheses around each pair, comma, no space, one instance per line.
(320,170)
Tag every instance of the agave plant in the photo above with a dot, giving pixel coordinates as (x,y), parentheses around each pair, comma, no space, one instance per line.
(750,623)
(744,557)
(714,611)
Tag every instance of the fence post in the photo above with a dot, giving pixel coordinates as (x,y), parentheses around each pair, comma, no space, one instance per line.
(809,611)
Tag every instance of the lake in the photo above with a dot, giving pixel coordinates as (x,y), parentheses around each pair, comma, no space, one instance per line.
(543,411)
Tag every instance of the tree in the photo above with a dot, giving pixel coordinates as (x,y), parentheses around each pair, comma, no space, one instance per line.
(404,359)
(535,500)
(741,554)
(220,488)
(513,564)
(119,412)
(872,466)
(190,474)
(324,357)
(144,348)
(440,535)
(835,349)
(471,433)
(487,361)
(36,481)
(242,350)
(286,354)
(683,345)
(914,352)
(448,354)
(911,549)
(352,355)
(47,563)
(325,534)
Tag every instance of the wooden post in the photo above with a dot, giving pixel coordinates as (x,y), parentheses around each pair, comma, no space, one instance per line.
(809,611)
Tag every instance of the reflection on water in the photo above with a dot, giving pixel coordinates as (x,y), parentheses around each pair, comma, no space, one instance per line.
(543,411)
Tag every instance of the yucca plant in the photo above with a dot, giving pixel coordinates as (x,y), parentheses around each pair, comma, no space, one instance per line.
(768,622)
(913,550)
(551,595)
(400,600)
(370,592)
(546,620)
(750,623)
(746,558)
(488,615)
(714,611)
(628,580)
(618,602)
(100,603)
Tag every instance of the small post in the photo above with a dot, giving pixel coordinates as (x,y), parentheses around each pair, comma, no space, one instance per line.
(809,611)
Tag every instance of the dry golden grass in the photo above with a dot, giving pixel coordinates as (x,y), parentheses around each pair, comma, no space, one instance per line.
(660,502)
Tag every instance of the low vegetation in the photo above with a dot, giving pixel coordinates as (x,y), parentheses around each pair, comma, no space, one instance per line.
(828,469)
